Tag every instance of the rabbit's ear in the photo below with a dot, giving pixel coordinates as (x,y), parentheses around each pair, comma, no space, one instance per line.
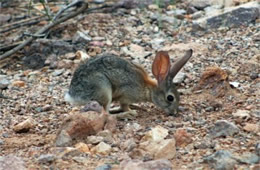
(161,66)
(179,64)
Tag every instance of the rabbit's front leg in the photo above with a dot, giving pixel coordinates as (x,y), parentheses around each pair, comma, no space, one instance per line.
(122,108)
(124,112)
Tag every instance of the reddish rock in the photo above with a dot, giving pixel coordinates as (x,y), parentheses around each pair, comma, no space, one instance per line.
(182,137)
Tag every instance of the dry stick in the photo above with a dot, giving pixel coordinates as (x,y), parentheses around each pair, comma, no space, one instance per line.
(44,29)
(12,26)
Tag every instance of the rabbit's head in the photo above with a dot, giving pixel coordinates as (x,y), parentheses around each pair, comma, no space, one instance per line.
(166,95)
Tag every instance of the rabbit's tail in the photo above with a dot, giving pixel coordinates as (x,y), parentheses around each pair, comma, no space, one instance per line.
(69,98)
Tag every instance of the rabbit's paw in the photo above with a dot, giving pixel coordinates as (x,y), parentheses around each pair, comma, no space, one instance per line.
(116,110)
(131,114)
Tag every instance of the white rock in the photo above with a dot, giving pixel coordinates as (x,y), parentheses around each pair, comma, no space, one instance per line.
(157,134)
(102,148)
(24,126)
(94,139)
(241,114)
(164,149)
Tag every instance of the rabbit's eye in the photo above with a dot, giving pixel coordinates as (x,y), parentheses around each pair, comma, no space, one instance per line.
(170,98)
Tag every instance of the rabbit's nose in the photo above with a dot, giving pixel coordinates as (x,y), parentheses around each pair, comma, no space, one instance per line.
(173,112)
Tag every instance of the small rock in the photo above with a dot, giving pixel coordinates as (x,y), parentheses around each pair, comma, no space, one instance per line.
(223,128)
(1,142)
(179,78)
(81,37)
(18,83)
(255,167)
(204,144)
(104,167)
(132,127)
(4,82)
(82,56)
(250,127)
(82,147)
(98,1)
(65,63)
(230,17)
(257,149)
(242,114)
(106,135)
(48,158)
(156,134)
(136,51)
(65,152)
(221,159)
(164,149)
(102,148)
(70,56)
(24,126)
(161,164)
(4,18)
(63,139)
(200,4)
(182,137)
(153,7)
(128,145)
(81,125)
(80,159)
(248,158)
(94,139)
(234,84)
(11,162)
(34,61)
(197,15)
(58,72)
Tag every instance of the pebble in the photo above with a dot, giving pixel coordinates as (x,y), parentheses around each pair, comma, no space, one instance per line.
(94,139)
(244,114)
(248,158)
(164,149)
(24,126)
(221,159)
(156,134)
(98,1)
(4,82)
(81,37)
(179,78)
(250,127)
(11,162)
(104,167)
(47,158)
(182,137)
(106,135)
(257,149)
(58,72)
(102,148)
(162,164)
(128,145)
(18,83)
(1,142)
(204,144)
(82,147)
(223,128)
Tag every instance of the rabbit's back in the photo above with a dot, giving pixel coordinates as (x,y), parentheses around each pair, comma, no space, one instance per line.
(108,75)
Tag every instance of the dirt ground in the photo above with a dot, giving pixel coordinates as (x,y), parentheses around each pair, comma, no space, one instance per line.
(39,93)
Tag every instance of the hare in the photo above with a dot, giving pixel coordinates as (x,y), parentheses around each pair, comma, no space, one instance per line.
(110,78)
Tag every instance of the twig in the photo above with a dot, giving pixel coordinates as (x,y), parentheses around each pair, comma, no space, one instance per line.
(44,29)
(34,35)
(14,25)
